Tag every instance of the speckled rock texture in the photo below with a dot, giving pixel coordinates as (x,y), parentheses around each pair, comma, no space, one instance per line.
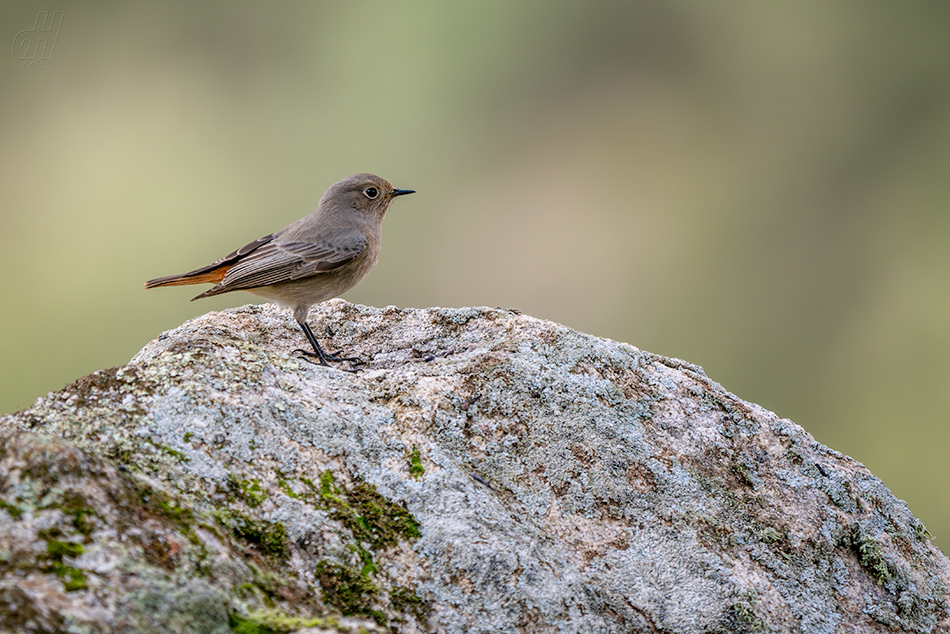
(485,472)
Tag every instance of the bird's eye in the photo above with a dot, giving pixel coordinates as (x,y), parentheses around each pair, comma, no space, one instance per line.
(371,192)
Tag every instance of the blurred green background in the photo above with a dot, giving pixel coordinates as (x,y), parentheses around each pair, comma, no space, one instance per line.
(759,188)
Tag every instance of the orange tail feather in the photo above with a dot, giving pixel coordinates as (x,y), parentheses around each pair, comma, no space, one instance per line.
(204,277)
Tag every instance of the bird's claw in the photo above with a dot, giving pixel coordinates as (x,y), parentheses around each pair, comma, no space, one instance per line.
(321,359)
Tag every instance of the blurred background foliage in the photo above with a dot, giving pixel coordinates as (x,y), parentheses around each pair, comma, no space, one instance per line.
(759,188)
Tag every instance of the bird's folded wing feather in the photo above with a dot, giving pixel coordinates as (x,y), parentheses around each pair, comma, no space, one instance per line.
(197,274)
(276,261)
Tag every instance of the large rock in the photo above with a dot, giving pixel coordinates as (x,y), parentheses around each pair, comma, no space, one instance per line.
(486,472)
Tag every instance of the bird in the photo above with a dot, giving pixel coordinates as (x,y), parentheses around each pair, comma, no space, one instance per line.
(318,257)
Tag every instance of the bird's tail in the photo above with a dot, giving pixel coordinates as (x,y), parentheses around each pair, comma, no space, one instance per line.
(211,274)
(199,276)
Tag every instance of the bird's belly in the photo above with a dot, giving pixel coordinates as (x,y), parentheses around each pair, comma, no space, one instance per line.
(316,288)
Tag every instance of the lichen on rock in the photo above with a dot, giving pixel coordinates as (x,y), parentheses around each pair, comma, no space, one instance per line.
(485,472)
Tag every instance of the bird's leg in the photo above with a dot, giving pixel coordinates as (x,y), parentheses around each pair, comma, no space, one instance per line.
(320,353)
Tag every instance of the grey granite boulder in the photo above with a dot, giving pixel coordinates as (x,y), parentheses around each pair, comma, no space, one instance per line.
(485,472)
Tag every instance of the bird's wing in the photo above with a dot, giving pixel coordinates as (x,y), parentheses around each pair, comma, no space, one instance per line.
(215,271)
(277,261)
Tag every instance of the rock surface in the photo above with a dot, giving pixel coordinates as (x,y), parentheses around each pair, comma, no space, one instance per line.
(486,472)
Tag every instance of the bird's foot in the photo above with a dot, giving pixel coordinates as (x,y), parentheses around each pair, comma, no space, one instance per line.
(322,358)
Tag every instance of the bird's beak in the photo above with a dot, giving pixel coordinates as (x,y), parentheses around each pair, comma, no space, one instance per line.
(402,192)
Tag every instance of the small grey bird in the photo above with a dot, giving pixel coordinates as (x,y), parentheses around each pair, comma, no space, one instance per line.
(320,256)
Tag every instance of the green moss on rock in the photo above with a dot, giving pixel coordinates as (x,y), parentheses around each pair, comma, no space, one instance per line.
(416,470)
(405,600)
(274,622)
(13,511)
(367,514)
(270,538)
(248,490)
(870,555)
(350,591)
(73,578)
